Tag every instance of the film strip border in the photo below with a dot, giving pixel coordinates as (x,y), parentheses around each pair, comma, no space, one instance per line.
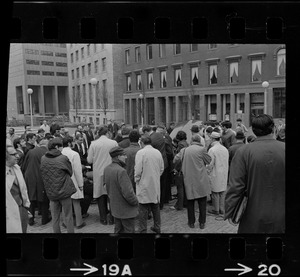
(150,255)
(156,22)
(257,22)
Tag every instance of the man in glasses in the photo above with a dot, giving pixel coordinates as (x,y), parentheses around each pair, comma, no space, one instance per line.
(17,200)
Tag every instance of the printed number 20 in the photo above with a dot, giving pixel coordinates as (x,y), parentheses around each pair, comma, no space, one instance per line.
(274,270)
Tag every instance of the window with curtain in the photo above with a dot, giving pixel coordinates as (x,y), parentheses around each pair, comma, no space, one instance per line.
(83,71)
(194,47)
(194,76)
(150,80)
(256,70)
(234,72)
(281,62)
(213,74)
(128,83)
(84,96)
(178,82)
(163,79)
(138,82)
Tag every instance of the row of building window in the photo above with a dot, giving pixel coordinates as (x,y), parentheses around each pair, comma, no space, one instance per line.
(45,53)
(161,50)
(46,73)
(79,96)
(62,45)
(256,73)
(48,63)
(82,52)
(89,69)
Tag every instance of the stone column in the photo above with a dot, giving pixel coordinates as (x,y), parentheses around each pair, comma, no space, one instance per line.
(177,108)
(156,110)
(247,109)
(202,107)
(55,100)
(232,108)
(130,111)
(219,107)
(41,101)
(167,110)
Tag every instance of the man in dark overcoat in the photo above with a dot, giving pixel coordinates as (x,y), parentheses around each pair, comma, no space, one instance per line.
(131,151)
(34,181)
(122,199)
(259,169)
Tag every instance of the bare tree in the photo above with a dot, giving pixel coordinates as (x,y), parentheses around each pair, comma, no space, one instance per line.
(102,98)
(191,102)
(76,98)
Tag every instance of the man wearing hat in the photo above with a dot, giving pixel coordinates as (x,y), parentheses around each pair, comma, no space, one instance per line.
(122,199)
(240,141)
(218,174)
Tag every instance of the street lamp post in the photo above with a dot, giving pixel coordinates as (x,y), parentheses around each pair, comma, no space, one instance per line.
(94,82)
(30,91)
(265,85)
(141,96)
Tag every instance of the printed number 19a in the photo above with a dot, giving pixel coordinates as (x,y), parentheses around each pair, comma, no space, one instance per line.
(273,270)
(114,270)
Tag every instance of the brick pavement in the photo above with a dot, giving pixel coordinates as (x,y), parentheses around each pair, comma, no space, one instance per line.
(172,221)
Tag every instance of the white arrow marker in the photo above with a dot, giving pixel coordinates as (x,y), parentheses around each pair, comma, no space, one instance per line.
(244,270)
(89,270)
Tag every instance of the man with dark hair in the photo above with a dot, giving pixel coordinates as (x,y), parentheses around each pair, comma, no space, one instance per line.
(80,148)
(171,128)
(88,133)
(98,155)
(54,126)
(56,171)
(196,131)
(30,142)
(240,126)
(149,166)
(240,141)
(122,199)
(131,151)
(40,133)
(125,142)
(19,145)
(258,169)
(228,136)
(34,181)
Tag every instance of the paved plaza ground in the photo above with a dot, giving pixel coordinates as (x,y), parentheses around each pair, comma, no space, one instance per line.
(172,221)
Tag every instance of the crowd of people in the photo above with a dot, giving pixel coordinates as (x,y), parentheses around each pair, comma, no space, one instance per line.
(130,172)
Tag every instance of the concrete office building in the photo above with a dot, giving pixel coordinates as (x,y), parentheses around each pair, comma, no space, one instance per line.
(103,62)
(44,69)
(178,82)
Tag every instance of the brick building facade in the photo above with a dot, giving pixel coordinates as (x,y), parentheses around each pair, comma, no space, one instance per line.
(178,82)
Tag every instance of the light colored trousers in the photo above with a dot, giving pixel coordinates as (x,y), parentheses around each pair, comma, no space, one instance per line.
(218,201)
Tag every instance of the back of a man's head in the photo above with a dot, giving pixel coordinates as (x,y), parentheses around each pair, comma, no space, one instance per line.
(146,128)
(103,129)
(196,138)
(226,124)
(125,131)
(146,140)
(55,142)
(262,125)
(66,140)
(134,135)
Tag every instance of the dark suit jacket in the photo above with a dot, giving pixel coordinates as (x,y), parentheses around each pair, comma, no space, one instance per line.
(83,157)
(158,142)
